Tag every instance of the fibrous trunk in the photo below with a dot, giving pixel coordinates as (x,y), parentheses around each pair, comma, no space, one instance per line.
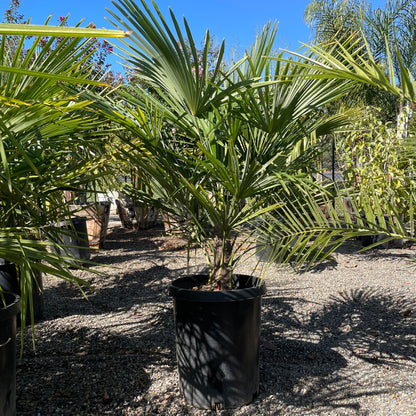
(222,270)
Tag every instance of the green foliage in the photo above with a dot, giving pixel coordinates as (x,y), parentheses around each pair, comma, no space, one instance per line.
(371,156)
(48,144)
(377,32)
(331,19)
(221,147)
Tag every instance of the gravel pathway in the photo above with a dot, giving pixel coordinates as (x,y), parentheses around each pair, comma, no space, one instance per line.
(337,340)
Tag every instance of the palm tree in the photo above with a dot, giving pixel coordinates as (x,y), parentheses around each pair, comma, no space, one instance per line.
(331,19)
(395,23)
(366,69)
(40,126)
(376,30)
(219,147)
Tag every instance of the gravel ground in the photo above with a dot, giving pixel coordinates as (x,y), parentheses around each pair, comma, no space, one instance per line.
(337,340)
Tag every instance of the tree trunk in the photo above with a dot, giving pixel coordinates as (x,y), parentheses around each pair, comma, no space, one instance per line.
(222,270)
(403,120)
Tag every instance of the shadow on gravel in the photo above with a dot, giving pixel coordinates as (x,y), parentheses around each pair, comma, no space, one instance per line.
(136,242)
(101,368)
(353,348)
(376,325)
(122,292)
(92,374)
(353,246)
(117,234)
(325,361)
(125,287)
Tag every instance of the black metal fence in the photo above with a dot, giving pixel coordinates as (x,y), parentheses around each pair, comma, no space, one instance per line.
(329,164)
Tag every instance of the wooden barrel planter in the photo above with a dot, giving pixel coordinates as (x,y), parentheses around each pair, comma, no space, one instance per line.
(125,212)
(97,216)
(171,223)
(135,215)
(145,216)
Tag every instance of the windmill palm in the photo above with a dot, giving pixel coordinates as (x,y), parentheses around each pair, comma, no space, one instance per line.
(40,126)
(232,158)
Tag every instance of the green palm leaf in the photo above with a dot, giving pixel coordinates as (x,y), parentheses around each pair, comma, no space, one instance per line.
(40,125)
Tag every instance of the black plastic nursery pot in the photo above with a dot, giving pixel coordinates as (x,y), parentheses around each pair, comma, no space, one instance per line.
(9,282)
(217,341)
(8,277)
(75,235)
(8,315)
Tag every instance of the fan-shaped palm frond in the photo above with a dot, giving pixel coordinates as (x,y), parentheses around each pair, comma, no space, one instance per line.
(44,131)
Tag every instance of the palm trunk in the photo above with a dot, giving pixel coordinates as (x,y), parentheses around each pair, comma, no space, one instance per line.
(222,270)
(403,120)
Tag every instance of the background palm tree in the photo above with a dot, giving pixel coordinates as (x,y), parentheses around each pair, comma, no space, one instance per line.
(47,145)
(395,23)
(366,69)
(334,18)
(375,32)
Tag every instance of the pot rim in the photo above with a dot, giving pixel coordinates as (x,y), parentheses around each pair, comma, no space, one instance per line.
(12,307)
(181,289)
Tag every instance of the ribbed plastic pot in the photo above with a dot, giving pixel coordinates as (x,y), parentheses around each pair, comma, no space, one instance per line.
(76,236)
(8,277)
(9,282)
(8,315)
(217,341)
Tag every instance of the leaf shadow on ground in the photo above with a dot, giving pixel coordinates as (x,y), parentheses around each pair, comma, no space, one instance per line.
(123,287)
(351,348)
(131,315)
(134,243)
(326,360)
(76,381)
(123,340)
(120,292)
(354,248)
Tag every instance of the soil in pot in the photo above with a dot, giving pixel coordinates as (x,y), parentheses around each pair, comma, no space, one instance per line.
(217,341)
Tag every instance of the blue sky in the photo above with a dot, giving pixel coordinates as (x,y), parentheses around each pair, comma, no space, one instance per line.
(237,21)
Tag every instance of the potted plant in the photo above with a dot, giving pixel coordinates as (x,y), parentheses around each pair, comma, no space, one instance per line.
(39,120)
(91,203)
(10,282)
(34,155)
(230,151)
(132,213)
(96,215)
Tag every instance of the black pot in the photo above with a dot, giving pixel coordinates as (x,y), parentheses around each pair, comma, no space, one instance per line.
(75,235)
(217,341)
(8,277)
(10,282)
(8,316)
